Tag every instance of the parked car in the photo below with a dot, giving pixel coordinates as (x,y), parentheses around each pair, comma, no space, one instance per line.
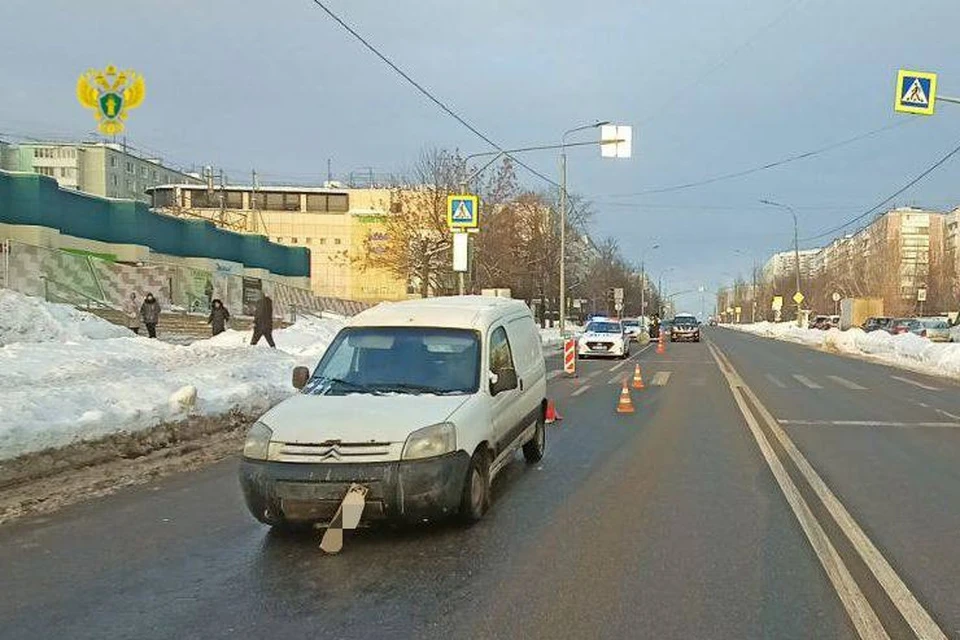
(685,327)
(904,325)
(604,338)
(422,402)
(875,324)
(819,322)
(935,329)
(833,323)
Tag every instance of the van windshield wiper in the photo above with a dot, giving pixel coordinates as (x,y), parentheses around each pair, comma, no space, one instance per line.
(356,386)
(404,387)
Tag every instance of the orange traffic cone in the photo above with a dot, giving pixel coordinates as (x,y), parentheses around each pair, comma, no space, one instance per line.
(626,404)
(552,415)
(661,348)
(637,378)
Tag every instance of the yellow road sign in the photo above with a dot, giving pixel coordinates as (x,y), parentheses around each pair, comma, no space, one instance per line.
(798,297)
(916,92)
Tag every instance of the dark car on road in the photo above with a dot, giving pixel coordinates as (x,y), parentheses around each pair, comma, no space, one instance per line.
(685,327)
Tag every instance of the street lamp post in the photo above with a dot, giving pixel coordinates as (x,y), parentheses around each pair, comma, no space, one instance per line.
(643,280)
(796,247)
(563,218)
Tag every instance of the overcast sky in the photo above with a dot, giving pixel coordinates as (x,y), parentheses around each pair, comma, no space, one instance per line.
(710,87)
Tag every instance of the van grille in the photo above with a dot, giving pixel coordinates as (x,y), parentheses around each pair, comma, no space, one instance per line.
(331,451)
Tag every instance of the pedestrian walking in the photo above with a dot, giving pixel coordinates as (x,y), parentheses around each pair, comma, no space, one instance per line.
(219,316)
(263,321)
(131,309)
(150,312)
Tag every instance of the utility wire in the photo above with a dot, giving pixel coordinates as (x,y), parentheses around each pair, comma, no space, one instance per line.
(419,87)
(883,202)
(770,165)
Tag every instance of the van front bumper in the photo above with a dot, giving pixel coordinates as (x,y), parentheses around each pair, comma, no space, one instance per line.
(410,491)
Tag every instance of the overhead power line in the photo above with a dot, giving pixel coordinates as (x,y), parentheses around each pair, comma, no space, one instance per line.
(936,165)
(765,167)
(419,87)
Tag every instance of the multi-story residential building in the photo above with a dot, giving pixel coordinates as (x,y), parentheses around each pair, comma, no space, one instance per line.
(783,265)
(97,168)
(333,223)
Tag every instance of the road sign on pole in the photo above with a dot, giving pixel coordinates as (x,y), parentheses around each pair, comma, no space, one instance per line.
(777,303)
(921,295)
(463,211)
(616,141)
(460,252)
(798,298)
(916,92)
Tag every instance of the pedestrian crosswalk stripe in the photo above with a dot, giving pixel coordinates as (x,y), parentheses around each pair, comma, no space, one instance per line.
(843,382)
(660,378)
(776,381)
(805,381)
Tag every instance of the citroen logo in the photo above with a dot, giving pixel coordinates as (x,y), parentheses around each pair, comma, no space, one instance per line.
(332,452)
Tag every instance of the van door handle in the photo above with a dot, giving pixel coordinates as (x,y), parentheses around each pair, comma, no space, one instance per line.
(520,380)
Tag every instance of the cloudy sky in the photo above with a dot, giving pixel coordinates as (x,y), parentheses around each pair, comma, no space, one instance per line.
(711,87)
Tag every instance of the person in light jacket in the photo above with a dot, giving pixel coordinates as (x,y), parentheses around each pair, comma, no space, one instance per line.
(219,316)
(263,321)
(150,312)
(131,309)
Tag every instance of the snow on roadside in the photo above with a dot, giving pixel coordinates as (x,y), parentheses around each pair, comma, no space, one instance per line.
(550,336)
(70,378)
(907,351)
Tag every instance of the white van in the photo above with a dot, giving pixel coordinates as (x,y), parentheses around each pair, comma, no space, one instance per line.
(422,402)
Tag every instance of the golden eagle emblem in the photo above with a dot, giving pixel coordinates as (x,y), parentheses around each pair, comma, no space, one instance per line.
(111,94)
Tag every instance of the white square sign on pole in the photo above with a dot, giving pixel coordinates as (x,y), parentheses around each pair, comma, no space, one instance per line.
(460,241)
(616,141)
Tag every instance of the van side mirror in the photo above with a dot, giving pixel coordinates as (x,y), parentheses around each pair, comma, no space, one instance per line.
(300,377)
(503,380)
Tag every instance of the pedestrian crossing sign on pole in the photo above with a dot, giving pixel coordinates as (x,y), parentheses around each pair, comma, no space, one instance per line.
(463,211)
(916,92)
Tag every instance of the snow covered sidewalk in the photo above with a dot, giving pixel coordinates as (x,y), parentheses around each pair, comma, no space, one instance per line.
(907,351)
(66,375)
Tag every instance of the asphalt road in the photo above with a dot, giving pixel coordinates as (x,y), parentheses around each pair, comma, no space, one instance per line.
(668,523)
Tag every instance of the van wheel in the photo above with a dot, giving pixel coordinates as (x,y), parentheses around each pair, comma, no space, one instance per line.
(475,499)
(534,448)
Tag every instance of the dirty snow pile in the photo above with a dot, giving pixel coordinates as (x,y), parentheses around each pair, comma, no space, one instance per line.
(908,351)
(66,375)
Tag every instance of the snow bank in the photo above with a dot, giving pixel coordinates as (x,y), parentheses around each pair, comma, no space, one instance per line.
(908,350)
(26,319)
(550,337)
(70,378)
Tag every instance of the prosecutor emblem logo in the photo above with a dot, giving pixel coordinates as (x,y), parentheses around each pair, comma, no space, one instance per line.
(111,94)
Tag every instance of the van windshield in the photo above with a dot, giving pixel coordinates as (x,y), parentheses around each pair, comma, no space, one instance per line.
(408,360)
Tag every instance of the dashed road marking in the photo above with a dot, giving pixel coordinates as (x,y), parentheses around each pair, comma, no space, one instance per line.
(617,380)
(805,381)
(843,382)
(617,366)
(661,378)
(582,389)
(776,381)
(916,384)
(867,423)
(553,375)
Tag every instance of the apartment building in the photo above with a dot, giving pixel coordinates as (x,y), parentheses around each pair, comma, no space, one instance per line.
(102,169)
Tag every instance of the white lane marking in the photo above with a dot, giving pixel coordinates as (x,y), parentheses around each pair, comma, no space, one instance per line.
(776,381)
(843,382)
(580,390)
(617,380)
(915,383)
(617,366)
(946,414)
(591,375)
(805,381)
(862,615)
(898,592)
(553,375)
(867,423)
(661,378)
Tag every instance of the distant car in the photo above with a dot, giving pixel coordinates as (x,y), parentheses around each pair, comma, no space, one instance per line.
(633,327)
(875,324)
(935,329)
(685,327)
(834,322)
(819,322)
(713,321)
(604,338)
(904,325)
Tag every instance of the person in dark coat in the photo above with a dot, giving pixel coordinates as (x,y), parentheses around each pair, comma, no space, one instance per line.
(150,312)
(218,317)
(263,321)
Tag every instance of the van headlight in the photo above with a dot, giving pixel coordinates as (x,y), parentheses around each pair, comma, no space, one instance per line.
(430,442)
(258,442)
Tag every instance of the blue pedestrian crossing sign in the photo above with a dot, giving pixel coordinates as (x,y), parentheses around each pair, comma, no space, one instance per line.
(463,212)
(916,92)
